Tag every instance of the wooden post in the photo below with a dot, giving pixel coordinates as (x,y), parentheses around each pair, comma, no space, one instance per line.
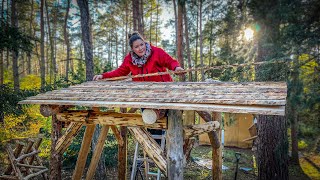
(83,154)
(188,119)
(97,152)
(55,158)
(217,151)
(175,145)
(122,151)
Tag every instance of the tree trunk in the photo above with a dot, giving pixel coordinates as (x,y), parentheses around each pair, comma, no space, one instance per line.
(1,60)
(176,25)
(272,148)
(127,21)
(187,41)
(42,61)
(55,158)
(15,52)
(86,37)
(30,34)
(53,64)
(272,130)
(180,37)
(135,14)
(201,47)
(66,39)
(157,23)
(141,24)
(196,55)
(54,50)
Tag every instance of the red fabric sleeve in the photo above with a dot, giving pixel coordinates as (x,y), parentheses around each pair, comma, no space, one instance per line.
(167,61)
(123,70)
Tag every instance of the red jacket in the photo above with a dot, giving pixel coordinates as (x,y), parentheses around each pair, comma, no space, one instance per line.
(158,61)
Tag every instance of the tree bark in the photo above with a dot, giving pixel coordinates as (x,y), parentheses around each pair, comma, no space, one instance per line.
(196,55)
(30,34)
(55,157)
(66,39)
(272,130)
(42,60)
(176,25)
(201,47)
(86,37)
(272,159)
(135,14)
(180,37)
(187,40)
(15,52)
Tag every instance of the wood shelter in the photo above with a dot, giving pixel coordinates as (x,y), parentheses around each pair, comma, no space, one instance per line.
(267,98)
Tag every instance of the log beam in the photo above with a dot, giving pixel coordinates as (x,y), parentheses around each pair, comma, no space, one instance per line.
(97,152)
(66,139)
(150,146)
(83,154)
(212,136)
(109,118)
(117,134)
(194,130)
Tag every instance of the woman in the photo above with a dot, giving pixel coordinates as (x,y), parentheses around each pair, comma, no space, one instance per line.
(144,59)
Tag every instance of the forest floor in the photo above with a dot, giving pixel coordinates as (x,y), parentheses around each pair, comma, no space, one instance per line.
(309,168)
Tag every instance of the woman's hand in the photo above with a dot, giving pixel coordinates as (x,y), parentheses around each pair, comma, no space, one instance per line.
(178,71)
(97,77)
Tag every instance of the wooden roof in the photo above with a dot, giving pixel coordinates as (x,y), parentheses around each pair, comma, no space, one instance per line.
(267,98)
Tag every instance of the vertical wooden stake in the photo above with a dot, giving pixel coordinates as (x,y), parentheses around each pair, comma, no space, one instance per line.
(55,159)
(175,145)
(83,154)
(122,151)
(97,152)
(217,152)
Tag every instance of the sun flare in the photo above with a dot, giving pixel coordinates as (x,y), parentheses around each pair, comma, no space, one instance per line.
(248,34)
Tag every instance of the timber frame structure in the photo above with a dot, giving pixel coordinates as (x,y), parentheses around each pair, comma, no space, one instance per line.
(208,99)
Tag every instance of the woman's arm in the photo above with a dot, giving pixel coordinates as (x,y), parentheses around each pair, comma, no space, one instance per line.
(123,70)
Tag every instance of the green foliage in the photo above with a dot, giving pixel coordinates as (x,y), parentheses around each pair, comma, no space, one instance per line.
(13,39)
(302,145)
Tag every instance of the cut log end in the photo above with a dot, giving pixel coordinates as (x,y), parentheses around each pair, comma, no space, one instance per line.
(150,116)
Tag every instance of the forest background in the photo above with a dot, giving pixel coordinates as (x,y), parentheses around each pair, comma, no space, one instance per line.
(42,48)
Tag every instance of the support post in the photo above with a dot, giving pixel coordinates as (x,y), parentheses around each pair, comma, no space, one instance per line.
(217,151)
(97,152)
(175,145)
(122,151)
(83,154)
(55,158)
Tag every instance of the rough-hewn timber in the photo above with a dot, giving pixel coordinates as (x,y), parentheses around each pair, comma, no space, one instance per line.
(267,98)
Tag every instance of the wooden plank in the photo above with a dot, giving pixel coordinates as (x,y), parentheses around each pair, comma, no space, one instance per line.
(194,130)
(264,110)
(150,146)
(175,145)
(108,118)
(66,139)
(97,152)
(231,100)
(83,154)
